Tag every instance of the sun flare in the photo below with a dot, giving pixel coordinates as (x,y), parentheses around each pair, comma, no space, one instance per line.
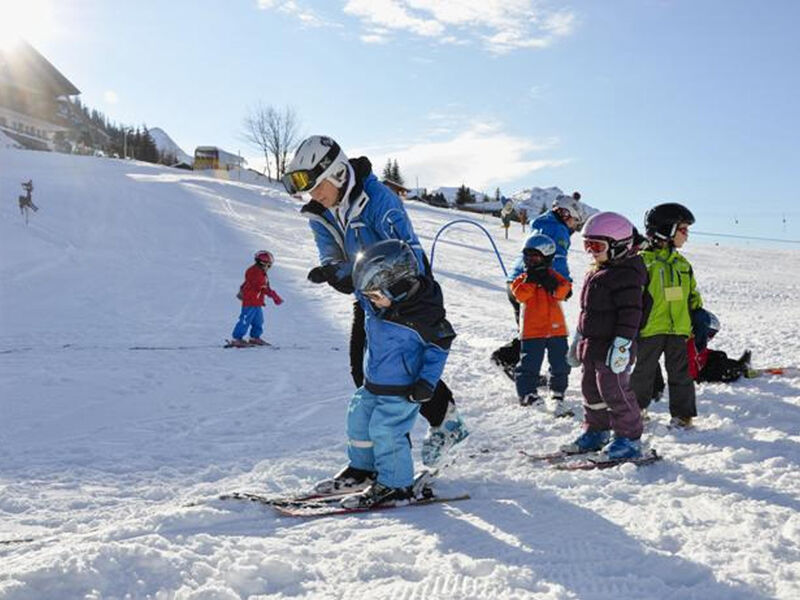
(31,20)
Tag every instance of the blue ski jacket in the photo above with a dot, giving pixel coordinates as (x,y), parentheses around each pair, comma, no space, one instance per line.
(550,225)
(369,213)
(407,343)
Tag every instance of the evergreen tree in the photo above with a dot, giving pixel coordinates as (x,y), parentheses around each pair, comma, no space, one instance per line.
(396,176)
(497,196)
(387,170)
(464,196)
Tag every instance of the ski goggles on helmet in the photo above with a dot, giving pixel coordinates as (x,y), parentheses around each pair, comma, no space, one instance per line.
(595,246)
(305,180)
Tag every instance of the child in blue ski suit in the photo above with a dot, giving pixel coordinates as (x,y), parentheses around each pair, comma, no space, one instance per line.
(408,340)
(350,211)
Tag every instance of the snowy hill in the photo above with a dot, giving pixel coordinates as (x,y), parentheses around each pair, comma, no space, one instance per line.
(166,145)
(537,200)
(122,418)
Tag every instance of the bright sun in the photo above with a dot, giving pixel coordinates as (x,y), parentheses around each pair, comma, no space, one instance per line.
(32,20)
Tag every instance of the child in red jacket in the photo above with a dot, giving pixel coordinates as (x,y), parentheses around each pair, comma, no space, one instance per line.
(251,293)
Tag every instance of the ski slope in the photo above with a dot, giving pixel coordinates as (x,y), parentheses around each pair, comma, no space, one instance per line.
(121,417)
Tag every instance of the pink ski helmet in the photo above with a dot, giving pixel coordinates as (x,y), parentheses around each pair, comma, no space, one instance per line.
(612,228)
(264,256)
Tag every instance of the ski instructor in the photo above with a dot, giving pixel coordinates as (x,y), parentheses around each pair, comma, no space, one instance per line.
(349,211)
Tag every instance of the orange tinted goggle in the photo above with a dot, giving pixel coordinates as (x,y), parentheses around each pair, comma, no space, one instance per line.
(595,246)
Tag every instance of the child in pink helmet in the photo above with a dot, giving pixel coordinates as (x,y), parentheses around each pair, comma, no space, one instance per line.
(612,307)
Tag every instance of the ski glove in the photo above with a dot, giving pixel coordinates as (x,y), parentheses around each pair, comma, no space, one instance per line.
(323,274)
(572,355)
(421,393)
(619,354)
(275,298)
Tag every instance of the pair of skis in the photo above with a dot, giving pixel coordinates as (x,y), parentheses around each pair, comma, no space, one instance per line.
(588,461)
(313,504)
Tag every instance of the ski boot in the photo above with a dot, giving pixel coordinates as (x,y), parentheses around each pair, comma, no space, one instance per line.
(560,410)
(257,342)
(744,363)
(439,440)
(375,495)
(623,448)
(238,343)
(529,399)
(348,478)
(588,441)
(681,423)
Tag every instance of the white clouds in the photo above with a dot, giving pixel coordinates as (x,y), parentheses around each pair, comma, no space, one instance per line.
(481,157)
(304,14)
(500,26)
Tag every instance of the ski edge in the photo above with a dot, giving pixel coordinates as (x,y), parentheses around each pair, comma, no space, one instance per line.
(590,464)
(306,511)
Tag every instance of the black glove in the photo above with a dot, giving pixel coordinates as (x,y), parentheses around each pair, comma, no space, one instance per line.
(421,393)
(345,286)
(534,275)
(549,283)
(322,274)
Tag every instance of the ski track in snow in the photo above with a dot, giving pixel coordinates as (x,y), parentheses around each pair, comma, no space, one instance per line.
(111,459)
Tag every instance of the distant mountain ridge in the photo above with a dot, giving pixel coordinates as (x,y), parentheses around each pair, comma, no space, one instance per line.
(167,145)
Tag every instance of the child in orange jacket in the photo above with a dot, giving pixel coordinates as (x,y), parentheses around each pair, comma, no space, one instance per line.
(252,293)
(539,290)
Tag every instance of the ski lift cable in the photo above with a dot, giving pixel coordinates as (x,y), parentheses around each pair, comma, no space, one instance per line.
(478,225)
(744,237)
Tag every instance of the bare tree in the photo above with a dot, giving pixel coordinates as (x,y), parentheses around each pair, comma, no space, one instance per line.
(275,133)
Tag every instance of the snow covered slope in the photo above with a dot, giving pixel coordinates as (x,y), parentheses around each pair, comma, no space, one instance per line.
(106,447)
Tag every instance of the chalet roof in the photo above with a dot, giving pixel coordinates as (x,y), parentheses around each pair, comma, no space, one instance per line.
(22,66)
(396,186)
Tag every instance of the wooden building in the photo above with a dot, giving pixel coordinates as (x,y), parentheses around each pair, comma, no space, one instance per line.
(33,97)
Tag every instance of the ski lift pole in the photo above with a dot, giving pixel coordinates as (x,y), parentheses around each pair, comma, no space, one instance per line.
(479,226)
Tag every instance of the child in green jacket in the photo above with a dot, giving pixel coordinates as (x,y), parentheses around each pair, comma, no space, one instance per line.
(673,290)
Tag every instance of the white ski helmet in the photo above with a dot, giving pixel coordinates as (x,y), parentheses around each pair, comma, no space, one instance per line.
(571,207)
(317,158)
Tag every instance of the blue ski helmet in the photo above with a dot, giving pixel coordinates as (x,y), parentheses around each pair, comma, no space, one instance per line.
(383,266)
(540,244)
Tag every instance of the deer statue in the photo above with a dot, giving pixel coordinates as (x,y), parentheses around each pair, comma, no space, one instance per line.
(26,202)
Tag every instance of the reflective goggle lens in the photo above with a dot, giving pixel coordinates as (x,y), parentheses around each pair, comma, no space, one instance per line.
(595,246)
(298,181)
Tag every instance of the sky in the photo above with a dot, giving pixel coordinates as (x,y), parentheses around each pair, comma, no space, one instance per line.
(632,102)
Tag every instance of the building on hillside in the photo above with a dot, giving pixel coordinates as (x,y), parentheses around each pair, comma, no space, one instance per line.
(33,97)
(211,157)
(398,189)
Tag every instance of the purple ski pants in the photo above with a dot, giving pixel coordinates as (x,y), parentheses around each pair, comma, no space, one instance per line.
(609,401)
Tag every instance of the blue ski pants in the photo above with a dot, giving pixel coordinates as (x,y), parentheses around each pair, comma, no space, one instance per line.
(378,429)
(531,356)
(252,318)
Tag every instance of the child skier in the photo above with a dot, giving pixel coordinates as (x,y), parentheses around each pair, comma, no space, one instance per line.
(674,295)
(408,340)
(612,305)
(542,327)
(252,293)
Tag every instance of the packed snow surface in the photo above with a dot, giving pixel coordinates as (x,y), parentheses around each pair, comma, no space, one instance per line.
(122,418)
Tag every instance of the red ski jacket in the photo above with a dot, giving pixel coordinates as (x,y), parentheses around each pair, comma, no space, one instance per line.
(255,287)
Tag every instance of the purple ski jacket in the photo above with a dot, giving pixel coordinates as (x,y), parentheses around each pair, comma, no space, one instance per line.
(613,303)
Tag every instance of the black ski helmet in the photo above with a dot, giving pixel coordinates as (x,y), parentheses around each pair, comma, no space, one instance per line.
(661,221)
(382,266)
